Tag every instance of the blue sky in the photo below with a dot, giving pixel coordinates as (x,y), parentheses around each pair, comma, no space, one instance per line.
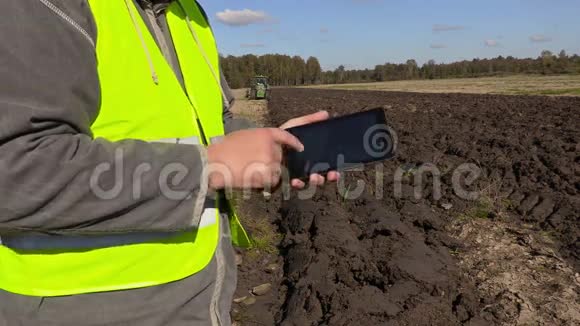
(363,33)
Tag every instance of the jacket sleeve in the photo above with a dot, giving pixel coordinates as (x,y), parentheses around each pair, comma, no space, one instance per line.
(54,177)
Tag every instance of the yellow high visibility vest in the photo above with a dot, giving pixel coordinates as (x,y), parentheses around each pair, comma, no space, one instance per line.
(141,98)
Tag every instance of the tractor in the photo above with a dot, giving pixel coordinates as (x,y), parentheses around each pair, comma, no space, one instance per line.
(259,88)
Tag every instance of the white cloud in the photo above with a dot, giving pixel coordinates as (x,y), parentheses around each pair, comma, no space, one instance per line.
(446,28)
(438,46)
(491,43)
(252,45)
(242,17)
(539,38)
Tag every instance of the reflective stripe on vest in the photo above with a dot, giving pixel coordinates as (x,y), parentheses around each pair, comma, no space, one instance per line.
(134,107)
(193,140)
(47,242)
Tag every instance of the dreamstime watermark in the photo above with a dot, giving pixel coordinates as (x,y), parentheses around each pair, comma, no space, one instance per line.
(380,140)
(173,180)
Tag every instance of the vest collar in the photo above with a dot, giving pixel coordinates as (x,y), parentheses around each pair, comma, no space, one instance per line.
(158,6)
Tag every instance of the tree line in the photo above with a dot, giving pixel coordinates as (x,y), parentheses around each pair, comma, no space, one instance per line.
(284,70)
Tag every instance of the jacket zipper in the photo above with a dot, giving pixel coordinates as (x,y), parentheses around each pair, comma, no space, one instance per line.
(69,20)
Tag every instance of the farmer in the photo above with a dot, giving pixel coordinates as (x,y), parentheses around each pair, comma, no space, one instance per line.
(113,161)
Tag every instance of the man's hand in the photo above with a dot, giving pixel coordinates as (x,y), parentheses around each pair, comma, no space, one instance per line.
(252,159)
(315,179)
(249,159)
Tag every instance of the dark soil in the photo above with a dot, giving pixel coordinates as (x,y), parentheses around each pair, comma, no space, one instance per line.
(399,260)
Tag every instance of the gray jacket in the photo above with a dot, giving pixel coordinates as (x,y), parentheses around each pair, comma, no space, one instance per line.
(49,97)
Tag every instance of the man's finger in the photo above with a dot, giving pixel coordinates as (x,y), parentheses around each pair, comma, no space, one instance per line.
(304,120)
(333,176)
(283,137)
(278,153)
(298,184)
(316,180)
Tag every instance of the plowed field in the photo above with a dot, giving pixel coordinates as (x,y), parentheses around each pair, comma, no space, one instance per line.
(476,222)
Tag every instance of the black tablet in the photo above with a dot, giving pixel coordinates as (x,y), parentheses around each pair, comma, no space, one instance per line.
(341,143)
